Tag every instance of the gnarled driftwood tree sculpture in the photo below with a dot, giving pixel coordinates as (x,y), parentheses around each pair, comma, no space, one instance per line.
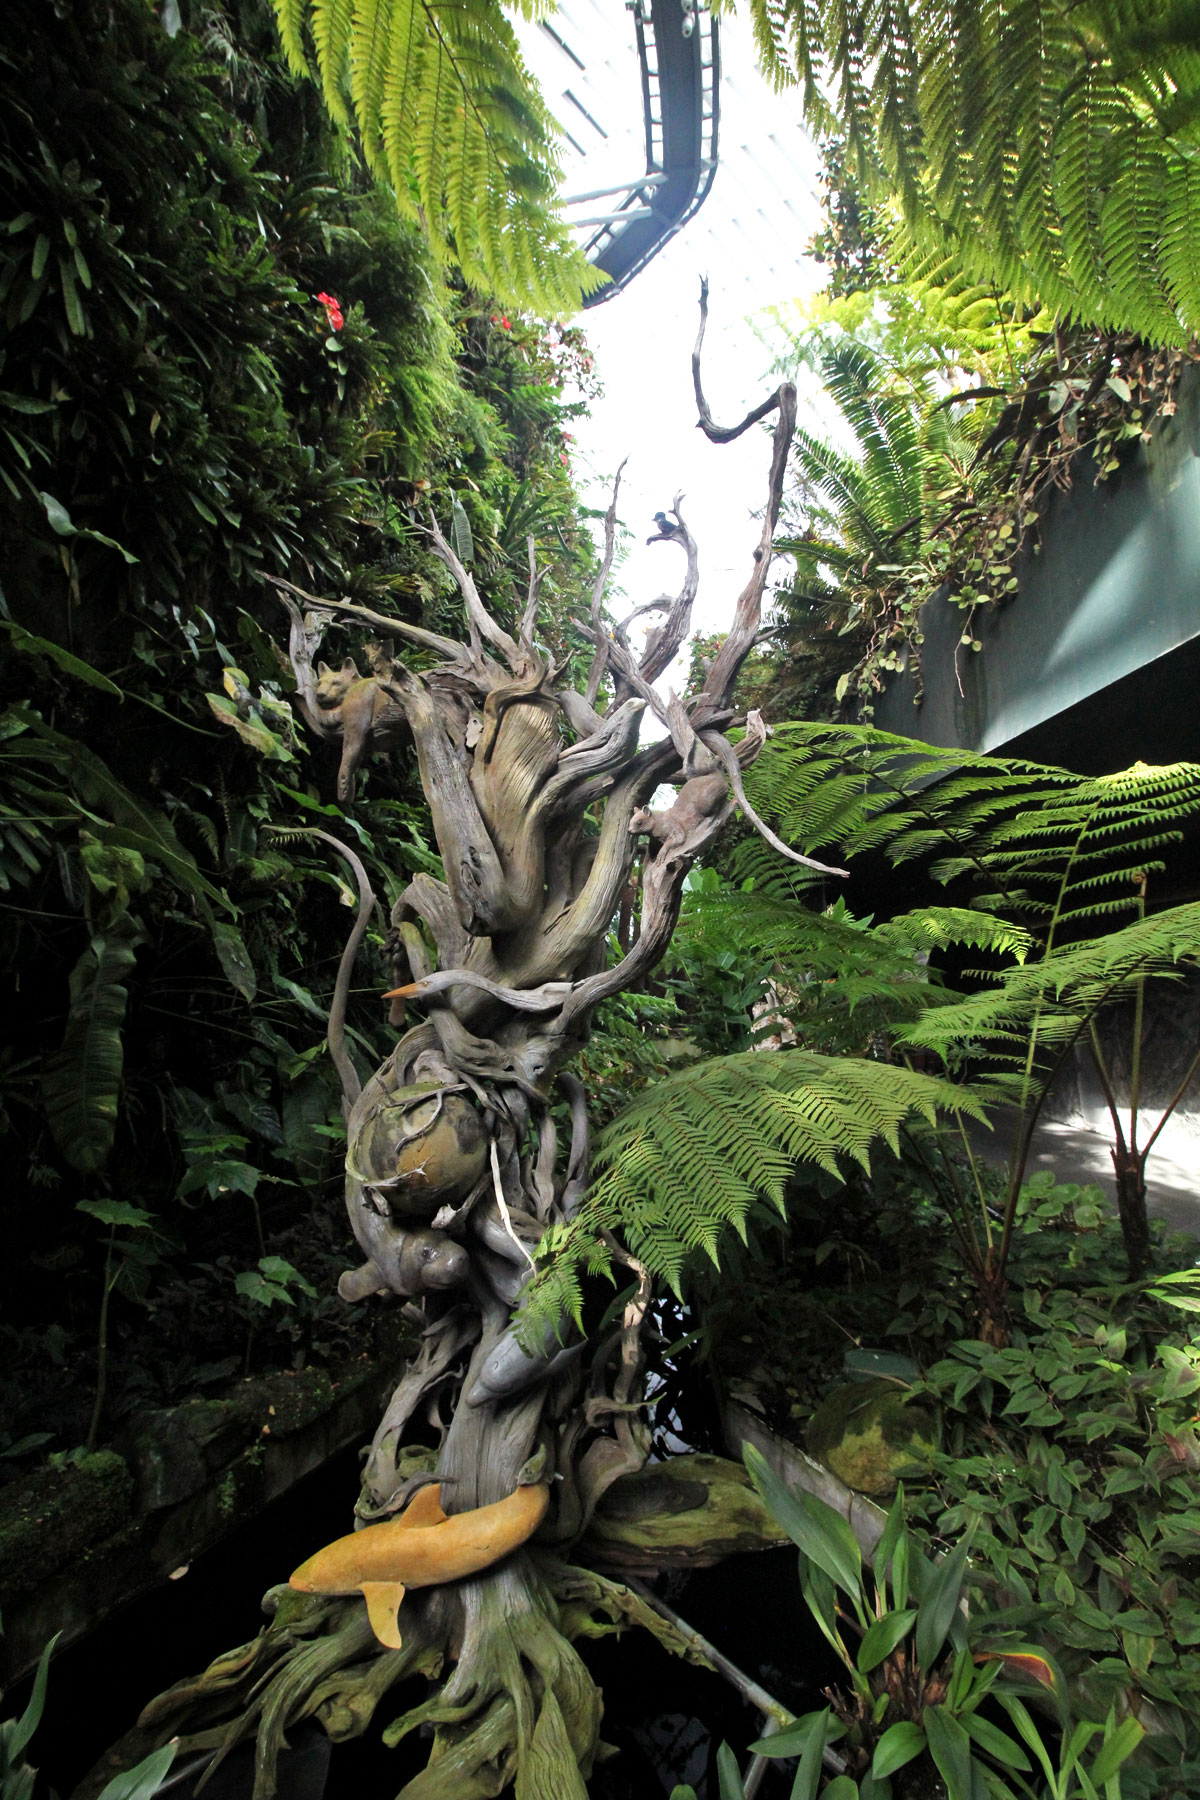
(540,797)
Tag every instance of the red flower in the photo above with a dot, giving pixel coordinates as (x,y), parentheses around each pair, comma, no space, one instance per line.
(505,323)
(333,311)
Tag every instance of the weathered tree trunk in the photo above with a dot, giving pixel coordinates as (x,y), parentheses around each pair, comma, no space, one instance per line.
(454,1166)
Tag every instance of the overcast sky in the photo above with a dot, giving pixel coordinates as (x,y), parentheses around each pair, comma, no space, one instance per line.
(748,238)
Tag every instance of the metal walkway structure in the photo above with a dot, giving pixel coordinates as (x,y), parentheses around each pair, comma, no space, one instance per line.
(678,46)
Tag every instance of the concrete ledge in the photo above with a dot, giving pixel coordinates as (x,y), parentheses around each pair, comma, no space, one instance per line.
(82,1539)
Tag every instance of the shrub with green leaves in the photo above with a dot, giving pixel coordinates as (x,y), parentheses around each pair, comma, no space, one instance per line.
(1073,1455)
(928,1672)
(225,355)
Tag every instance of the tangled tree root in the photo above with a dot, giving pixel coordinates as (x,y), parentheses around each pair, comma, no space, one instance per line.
(519,1707)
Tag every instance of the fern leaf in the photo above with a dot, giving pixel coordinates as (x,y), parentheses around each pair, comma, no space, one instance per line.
(447,112)
(289,17)
(1037,140)
(690,1157)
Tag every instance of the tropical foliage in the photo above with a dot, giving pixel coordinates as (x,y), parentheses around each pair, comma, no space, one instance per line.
(1067,1456)
(18,1776)
(1055,861)
(448,115)
(1051,147)
(224,354)
(919,1671)
(960,412)
(695,1153)
(1047,867)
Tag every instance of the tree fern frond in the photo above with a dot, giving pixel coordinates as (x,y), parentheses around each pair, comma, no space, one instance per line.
(331,24)
(1059,993)
(855,790)
(1037,139)
(448,113)
(289,17)
(691,1155)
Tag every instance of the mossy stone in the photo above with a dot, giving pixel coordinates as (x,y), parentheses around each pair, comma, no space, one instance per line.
(871,1434)
(57,1515)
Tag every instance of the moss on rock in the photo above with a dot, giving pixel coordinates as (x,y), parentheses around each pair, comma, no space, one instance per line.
(60,1514)
(872,1434)
(689,1512)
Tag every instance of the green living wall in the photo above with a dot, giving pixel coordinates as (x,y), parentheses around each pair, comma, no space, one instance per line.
(225,357)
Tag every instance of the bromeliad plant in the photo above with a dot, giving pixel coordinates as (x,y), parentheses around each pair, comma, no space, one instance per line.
(923,1678)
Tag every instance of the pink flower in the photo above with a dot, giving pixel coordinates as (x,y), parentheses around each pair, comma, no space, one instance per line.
(333,311)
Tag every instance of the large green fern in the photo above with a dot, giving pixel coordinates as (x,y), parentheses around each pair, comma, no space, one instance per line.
(448,114)
(691,1155)
(1051,143)
(1067,858)
(839,980)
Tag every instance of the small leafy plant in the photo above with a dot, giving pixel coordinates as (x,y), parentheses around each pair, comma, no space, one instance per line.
(919,1671)
(18,1776)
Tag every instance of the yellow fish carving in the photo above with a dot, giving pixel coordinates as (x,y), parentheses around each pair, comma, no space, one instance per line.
(422,1548)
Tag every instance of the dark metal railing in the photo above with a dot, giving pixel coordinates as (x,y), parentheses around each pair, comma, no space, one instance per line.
(678,45)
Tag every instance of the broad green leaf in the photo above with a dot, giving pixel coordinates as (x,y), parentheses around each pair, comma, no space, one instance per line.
(881,1638)
(235,958)
(842,1787)
(950,1748)
(66,660)
(790,1740)
(58,516)
(23,1729)
(820,1597)
(898,1745)
(730,1775)
(823,1535)
(808,1774)
(116,1212)
(894,1529)
(939,1602)
(1119,1743)
(251,1285)
(81,1081)
(140,827)
(277,1268)
(252,731)
(997,1743)
(145,1779)
(1019,1714)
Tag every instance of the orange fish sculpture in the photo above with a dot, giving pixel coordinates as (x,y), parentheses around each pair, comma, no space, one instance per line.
(423,1548)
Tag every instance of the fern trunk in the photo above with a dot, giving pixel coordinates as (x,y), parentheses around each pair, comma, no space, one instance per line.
(1130,1168)
(457,1167)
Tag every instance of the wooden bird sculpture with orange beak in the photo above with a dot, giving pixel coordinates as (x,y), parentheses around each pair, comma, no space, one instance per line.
(423,1548)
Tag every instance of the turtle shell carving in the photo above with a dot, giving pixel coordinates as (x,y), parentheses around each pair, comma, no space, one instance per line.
(423,1147)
